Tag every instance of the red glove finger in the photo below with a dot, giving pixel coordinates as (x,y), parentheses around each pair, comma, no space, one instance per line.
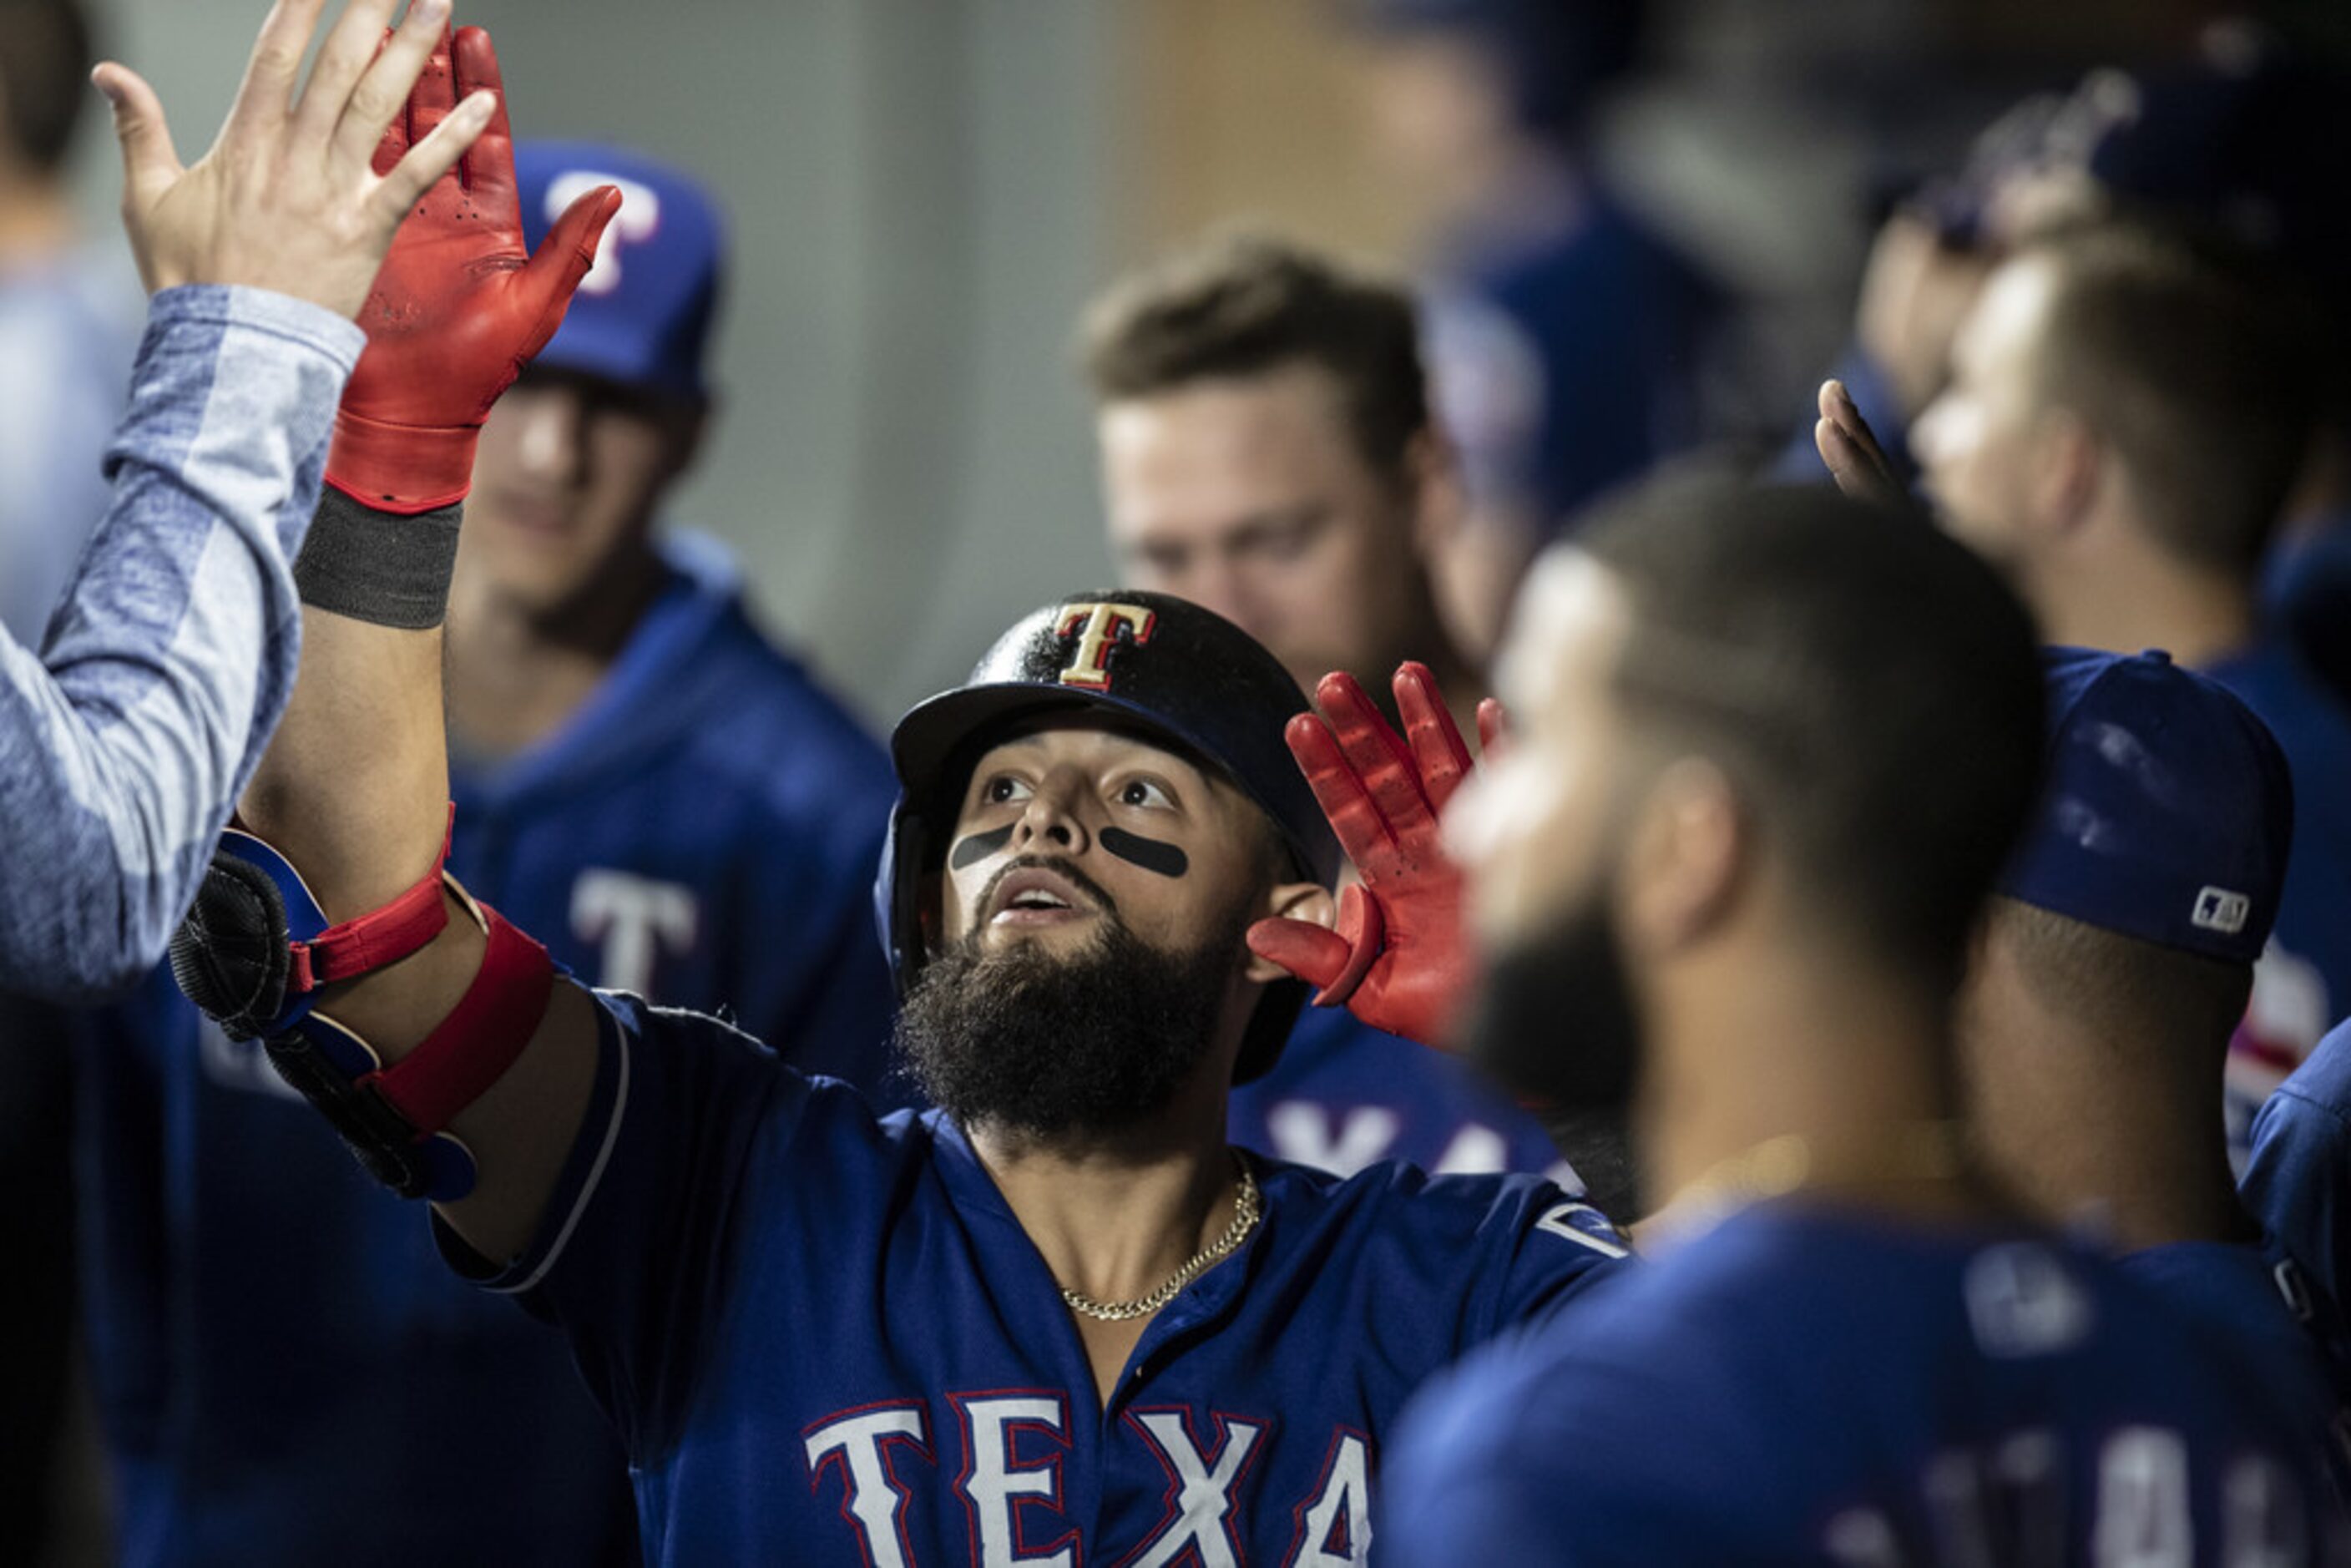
(456,310)
(564,259)
(435,93)
(1362,831)
(488,167)
(1377,753)
(1436,747)
(1315,954)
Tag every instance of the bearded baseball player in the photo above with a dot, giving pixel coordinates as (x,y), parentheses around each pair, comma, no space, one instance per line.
(1057,1318)
(1773,750)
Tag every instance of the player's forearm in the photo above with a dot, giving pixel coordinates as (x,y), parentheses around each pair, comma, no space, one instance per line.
(353,793)
(121,753)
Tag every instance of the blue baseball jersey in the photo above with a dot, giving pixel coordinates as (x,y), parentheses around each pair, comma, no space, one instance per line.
(1807,1387)
(2298,1180)
(2302,987)
(1343,1095)
(1568,361)
(2262,1293)
(825,1338)
(703,832)
(285,1375)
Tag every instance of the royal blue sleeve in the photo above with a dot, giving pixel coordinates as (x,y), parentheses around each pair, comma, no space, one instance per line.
(1558,1247)
(124,745)
(1479,1474)
(2298,1180)
(631,1257)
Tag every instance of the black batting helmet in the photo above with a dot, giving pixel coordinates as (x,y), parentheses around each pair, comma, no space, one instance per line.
(1153,663)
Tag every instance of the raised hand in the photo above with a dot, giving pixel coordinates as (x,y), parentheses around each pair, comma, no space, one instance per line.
(460,305)
(289,198)
(1855,460)
(1399,960)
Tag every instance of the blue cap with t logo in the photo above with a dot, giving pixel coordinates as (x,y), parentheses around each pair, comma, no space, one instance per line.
(642,315)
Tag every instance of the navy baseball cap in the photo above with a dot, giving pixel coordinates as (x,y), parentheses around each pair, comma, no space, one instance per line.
(2167,810)
(642,315)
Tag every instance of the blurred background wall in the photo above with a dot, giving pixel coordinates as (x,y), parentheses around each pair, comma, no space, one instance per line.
(925,193)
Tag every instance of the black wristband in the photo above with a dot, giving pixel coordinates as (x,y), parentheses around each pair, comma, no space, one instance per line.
(386,568)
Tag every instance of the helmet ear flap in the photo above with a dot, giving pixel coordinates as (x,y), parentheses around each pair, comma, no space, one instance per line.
(930,913)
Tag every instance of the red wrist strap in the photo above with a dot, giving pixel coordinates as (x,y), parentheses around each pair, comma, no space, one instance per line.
(400,468)
(482,1035)
(382,936)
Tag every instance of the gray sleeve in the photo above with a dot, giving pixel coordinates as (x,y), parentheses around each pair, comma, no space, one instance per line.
(124,745)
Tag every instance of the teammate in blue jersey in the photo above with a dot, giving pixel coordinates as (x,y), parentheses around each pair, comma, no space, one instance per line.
(2298,1180)
(2109,976)
(1268,452)
(2126,415)
(1770,752)
(1570,342)
(643,780)
(687,816)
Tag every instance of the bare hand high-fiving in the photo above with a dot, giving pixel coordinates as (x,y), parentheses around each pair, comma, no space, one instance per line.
(288,199)
(1850,449)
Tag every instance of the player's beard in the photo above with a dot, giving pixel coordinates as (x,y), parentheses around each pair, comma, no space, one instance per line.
(1051,1048)
(1555,1023)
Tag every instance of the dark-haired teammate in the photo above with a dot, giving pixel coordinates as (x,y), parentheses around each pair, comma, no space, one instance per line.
(2111,971)
(2126,417)
(1770,753)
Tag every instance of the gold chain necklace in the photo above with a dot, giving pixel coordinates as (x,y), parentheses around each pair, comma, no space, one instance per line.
(1245,1216)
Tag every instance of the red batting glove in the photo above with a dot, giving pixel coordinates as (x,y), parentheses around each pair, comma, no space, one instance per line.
(1400,958)
(459,308)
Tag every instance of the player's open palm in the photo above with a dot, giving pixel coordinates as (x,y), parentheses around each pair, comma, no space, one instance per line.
(1399,960)
(1850,450)
(460,305)
(288,197)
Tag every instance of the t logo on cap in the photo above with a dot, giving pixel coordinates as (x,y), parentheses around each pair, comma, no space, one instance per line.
(638,219)
(1089,666)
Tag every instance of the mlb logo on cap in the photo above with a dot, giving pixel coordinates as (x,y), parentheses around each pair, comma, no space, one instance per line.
(2218,909)
(2166,812)
(642,315)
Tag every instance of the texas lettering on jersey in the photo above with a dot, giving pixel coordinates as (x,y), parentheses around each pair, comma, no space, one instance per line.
(1006,1449)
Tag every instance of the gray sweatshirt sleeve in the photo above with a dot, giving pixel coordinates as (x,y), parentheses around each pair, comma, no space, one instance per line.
(125,743)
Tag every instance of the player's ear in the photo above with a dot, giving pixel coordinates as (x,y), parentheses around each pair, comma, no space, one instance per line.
(1687,856)
(2069,463)
(1432,476)
(1307,900)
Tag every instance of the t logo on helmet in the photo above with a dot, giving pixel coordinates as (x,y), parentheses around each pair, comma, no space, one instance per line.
(1097,627)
